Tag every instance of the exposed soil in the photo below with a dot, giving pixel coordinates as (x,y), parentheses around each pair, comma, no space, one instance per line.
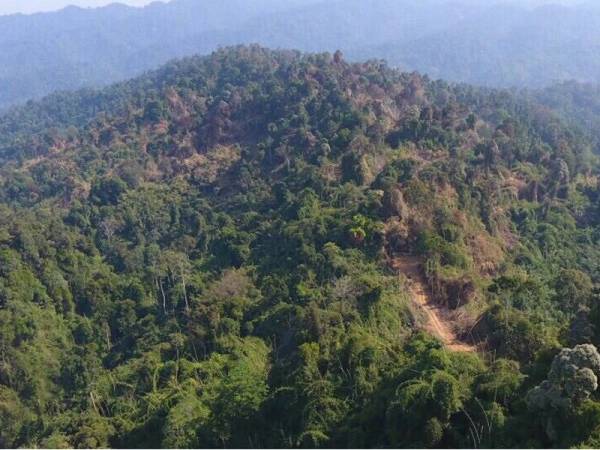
(437,317)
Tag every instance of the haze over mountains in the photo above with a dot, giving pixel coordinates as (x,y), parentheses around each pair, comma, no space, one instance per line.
(37,6)
(504,44)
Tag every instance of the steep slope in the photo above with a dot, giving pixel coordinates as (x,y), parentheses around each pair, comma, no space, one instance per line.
(200,258)
(436,317)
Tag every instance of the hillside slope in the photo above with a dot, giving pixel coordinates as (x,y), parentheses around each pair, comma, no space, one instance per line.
(435,316)
(201,258)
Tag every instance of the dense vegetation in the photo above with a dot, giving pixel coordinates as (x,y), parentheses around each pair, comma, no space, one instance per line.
(200,257)
(577,103)
(503,43)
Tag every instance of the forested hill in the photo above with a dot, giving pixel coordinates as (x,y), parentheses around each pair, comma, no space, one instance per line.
(203,257)
(505,43)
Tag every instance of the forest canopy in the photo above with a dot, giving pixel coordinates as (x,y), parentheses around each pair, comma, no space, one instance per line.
(202,257)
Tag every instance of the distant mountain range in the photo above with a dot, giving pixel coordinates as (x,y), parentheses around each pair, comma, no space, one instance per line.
(477,42)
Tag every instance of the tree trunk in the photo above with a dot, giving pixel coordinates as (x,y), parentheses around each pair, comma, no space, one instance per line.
(162,291)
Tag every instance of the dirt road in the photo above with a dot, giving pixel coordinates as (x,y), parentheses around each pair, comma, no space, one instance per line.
(437,322)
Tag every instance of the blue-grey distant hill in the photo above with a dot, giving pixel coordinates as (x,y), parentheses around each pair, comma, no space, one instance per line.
(462,40)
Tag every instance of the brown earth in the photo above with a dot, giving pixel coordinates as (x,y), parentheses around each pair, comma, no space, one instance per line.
(437,316)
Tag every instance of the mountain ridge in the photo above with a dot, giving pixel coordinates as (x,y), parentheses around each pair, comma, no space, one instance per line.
(127,41)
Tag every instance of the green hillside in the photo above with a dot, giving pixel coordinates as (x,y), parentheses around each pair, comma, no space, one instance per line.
(207,257)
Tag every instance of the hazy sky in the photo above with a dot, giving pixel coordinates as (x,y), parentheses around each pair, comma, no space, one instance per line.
(30,6)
